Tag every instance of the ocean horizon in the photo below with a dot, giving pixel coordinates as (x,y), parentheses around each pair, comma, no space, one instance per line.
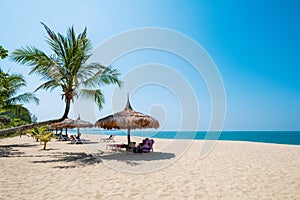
(276,137)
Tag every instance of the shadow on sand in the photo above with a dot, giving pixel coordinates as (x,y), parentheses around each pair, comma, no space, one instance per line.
(148,161)
(81,159)
(12,150)
(128,156)
(73,159)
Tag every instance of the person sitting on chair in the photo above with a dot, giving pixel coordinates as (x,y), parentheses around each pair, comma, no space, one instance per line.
(148,145)
(138,149)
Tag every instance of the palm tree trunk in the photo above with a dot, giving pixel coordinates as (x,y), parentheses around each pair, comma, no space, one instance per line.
(9,131)
(67,108)
(45,143)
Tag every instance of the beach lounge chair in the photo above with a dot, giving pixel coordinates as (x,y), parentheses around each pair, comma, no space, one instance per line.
(114,147)
(147,145)
(75,139)
(130,146)
(109,139)
(63,137)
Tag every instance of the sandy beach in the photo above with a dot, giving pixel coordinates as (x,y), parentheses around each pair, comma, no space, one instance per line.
(233,170)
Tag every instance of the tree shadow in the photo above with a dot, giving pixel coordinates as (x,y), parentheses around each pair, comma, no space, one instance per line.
(48,149)
(67,160)
(12,150)
(129,157)
(64,160)
(72,159)
(89,142)
(83,142)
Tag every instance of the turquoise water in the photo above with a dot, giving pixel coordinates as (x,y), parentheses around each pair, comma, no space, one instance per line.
(278,137)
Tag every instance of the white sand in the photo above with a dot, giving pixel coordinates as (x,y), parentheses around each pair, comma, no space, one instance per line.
(233,170)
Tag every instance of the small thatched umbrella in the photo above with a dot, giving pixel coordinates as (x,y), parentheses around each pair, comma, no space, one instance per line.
(78,123)
(66,123)
(127,119)
(70,123)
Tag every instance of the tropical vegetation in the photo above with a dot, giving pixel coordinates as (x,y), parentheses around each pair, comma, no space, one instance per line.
(3,52)
(41,134)
(12,112)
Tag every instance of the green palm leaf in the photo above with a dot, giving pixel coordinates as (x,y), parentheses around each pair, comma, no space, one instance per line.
(23,98)
(96,95)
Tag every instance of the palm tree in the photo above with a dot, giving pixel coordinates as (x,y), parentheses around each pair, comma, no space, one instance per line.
(36,132)
(66,68)
(12,112)
(45,138)
(9,87)
(10,101)
(41,134)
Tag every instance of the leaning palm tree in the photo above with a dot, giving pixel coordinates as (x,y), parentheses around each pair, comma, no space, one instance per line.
(67,68)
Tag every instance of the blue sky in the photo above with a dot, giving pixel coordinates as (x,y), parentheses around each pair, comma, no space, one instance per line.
(254,44)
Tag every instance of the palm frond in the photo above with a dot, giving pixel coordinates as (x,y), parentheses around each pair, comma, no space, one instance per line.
(42,64)
(23,98)
(56,43)
(31,56)
(46,138)
(52,84)
(95,95)
(101,75)
(10,84)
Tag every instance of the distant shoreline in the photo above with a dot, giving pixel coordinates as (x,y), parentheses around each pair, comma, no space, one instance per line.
(275,137)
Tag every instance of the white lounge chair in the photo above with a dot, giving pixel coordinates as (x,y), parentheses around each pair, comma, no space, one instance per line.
(109,139)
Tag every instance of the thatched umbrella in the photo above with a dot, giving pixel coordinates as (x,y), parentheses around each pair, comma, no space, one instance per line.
(127,119)
(70,123)
(78,123)
(66,123)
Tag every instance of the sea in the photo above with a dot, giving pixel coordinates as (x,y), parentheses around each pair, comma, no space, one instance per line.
(277,137)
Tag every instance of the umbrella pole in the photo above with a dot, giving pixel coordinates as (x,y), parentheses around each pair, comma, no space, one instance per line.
(128,136)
